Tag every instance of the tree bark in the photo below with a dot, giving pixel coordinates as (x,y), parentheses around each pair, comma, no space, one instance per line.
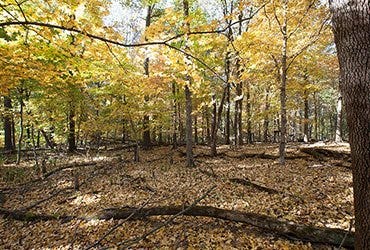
(146,132)
(8,143)
(351,27)
(338,127)
(174,117)
(266,118)
(20,138)
(188,98)
(283,80)
(249,114)
(72,130)
(306,137)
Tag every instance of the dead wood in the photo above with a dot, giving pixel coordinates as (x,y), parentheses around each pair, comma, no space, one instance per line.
(322,153)
(249,183)
(281,227)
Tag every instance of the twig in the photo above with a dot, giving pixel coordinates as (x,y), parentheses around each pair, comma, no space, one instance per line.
(110,231)
(346,235)
(128,243)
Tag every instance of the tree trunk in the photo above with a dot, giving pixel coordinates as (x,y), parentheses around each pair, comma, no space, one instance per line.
(266,120)
(351,26)
(316,121)
(306,137)
(72,130)
(338,127)
(249,114)
(283,80)
(188,98)
(146,132)
(20,138)
(8,143)
(174,117)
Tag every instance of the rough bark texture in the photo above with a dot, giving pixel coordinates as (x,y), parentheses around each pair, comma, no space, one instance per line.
(351,26)
(280,227)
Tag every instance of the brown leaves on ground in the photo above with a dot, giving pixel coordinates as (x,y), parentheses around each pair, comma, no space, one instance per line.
(310,192)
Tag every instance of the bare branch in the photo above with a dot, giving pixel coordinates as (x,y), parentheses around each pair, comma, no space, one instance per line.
(314,38)
(126,244)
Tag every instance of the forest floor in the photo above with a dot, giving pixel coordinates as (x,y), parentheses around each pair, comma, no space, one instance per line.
(310,189)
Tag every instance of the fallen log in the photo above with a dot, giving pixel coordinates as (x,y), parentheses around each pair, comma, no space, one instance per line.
(280,227)
(321,153)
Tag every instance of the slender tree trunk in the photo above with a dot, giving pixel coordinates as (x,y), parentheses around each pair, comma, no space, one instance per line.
(338,129)
(38,139)
(72,130)
(316,122)
(174,117)
(13,132)
(227,118)
(188,98)
(189,129)
(266,120)
(196,140)
(239,93)
(216,121)
(283,80)
(249,114)
(238,114)
(214,127)
(146,132)
(8,144)
(306,118)
(351,26)
(20,138)
(208,125)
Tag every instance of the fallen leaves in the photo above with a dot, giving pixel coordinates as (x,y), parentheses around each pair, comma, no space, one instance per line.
(325,199)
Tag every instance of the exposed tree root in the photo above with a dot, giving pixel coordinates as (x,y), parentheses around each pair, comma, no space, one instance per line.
(284,228)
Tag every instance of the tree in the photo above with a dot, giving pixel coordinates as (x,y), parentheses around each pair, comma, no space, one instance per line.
(188,96)
(8,143)
(351,27)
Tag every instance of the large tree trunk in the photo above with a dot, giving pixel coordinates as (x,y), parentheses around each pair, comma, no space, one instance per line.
(351,26)
(8,143)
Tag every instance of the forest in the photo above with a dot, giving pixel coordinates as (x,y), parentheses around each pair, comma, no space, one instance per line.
(184,124)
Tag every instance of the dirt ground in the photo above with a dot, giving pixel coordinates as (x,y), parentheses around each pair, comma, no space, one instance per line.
(309,190)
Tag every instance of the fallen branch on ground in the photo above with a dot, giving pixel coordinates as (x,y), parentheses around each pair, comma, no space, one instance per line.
(321,153)
(281,227)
